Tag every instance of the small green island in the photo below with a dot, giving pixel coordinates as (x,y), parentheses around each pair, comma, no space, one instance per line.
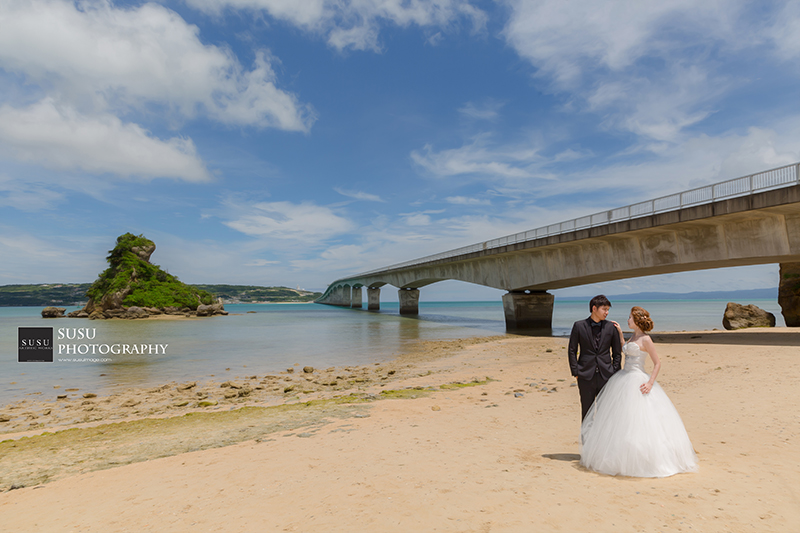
(133,287)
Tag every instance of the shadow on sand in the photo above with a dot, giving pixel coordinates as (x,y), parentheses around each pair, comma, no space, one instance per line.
(562,456)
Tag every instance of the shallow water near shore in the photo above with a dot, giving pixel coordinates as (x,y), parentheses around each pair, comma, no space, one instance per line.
(276,337)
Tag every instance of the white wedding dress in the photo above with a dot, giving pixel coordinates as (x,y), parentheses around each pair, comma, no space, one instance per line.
(628,433)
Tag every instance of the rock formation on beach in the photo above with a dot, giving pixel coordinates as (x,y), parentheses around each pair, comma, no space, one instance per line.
(789,293)
(132,287)
(53,312)
(739,316)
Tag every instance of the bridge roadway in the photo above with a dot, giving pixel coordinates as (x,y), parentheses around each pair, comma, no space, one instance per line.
(760,225)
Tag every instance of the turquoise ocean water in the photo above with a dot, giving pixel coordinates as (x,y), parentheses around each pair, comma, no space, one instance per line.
(278,336)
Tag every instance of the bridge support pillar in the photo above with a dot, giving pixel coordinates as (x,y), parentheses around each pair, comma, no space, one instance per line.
(789,293)
(343,296)
(373,298)
(530,312)
(355,298)
(409,301)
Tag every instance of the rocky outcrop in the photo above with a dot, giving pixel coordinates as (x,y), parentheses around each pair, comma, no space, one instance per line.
(144,251)
(211,310)
(136,312)
(131,287)
(114,300)
(178,311)
(739,316)
(789,293)
(53,312)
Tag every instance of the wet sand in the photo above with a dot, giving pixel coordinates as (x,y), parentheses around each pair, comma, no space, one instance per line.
(425,443)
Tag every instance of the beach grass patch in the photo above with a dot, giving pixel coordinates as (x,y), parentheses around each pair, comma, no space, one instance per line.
(461,385)
(404,394)
(42,458)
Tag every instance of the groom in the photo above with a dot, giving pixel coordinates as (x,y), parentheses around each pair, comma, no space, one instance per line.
(597,341)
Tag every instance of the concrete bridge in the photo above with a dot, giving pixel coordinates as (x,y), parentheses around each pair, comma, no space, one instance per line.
(745,221)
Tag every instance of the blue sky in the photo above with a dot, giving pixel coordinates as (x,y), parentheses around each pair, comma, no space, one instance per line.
(278,142)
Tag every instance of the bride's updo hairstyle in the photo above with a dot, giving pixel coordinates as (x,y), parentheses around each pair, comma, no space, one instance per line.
(642,318)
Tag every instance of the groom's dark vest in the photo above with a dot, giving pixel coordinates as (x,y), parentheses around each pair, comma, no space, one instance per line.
(604,358)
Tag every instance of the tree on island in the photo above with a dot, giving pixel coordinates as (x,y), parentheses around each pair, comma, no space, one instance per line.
(132,287)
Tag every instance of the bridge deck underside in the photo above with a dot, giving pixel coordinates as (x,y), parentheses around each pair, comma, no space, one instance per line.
(758,229)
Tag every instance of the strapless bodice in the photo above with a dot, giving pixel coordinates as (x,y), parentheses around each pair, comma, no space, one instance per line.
(634,356)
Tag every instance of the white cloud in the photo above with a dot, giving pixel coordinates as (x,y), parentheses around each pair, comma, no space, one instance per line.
(58,137)
(359,195)
(647,170)
(418,219)
(99,57)
(261,263)
(345,252)
(27,196)
(651,68)
(355,24)
(659,106)
(695,161)
(304,222)
(568,39)
(657,70)
(481,157)
(785,32)
(307,14)
(487,111)
(55,259)
(463,200)
(394,239)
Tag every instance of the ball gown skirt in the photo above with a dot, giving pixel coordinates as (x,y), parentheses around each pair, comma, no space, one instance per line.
(628,433)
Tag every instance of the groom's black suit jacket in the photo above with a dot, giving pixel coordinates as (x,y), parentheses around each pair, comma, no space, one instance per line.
(607,358)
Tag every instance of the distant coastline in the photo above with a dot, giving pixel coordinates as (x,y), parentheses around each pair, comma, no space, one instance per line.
(70,294)
(74,294)
(753,294)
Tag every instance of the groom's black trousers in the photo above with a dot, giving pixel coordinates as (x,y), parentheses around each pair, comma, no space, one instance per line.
(589,389)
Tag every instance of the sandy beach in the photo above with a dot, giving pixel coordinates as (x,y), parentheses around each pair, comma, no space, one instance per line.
(463,436)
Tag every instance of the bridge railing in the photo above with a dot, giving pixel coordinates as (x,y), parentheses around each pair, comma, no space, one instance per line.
(746,185)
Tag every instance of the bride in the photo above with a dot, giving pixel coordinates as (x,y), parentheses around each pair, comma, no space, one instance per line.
(632,429)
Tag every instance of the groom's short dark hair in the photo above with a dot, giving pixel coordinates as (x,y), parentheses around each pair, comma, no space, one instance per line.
(599,301)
